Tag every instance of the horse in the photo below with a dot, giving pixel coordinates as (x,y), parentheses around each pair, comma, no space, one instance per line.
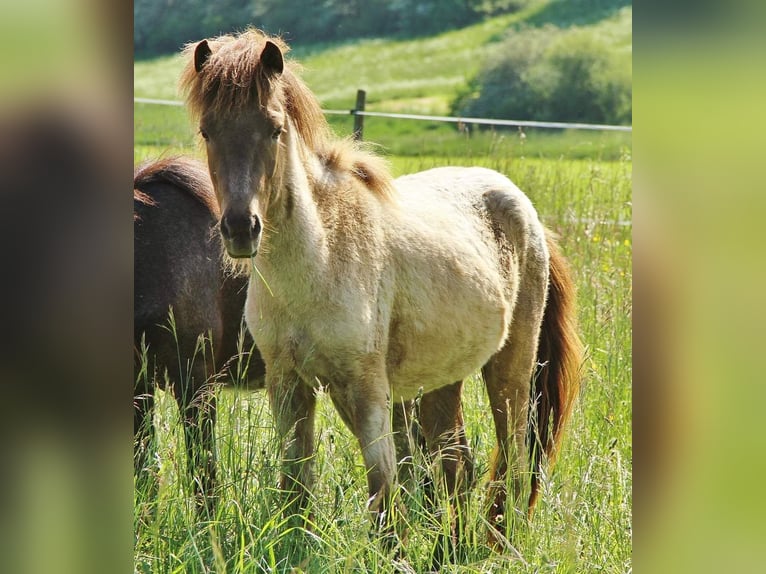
(381,289)
(180,266)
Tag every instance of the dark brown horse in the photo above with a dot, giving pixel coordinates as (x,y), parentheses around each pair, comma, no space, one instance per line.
(188,307)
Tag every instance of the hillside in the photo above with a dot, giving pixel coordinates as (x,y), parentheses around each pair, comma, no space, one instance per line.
(400,71)
(421,75)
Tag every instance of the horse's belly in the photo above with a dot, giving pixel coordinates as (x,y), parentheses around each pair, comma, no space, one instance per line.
(430,354)
(453,307)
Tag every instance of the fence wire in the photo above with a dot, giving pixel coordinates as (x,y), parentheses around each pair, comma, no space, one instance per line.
(451,119)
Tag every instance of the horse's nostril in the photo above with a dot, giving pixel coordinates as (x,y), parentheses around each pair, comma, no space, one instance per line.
(225,231)
(233,224)
(256,226)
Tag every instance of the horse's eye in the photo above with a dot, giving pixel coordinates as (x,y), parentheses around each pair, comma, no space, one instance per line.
(277,133)
(204,135)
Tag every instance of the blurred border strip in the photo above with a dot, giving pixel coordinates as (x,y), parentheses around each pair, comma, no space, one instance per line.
(698,235)
(65,292)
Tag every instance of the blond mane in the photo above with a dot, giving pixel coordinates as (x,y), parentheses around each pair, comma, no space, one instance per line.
(232,80)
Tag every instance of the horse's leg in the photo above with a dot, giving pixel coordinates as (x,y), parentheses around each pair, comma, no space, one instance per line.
(200,443)
(188,358)
(197,405)
(143,408)
(407,436)
(441,418)
(508,376)
(143,431)
(372,428)
(293,405)
(146,483)
(364,407)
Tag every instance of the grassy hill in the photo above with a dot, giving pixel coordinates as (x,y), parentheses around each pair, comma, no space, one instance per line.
(421,76)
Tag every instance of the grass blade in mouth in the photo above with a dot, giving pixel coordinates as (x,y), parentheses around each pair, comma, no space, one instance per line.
(255,268)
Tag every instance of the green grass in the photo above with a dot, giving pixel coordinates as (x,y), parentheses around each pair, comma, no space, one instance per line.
(580,183)
(164,129)
(583,521)
(161,129)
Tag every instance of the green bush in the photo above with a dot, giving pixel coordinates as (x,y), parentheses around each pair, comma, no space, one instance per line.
(548,74)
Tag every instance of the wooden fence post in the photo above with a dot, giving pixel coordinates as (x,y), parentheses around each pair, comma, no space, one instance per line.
(359,119)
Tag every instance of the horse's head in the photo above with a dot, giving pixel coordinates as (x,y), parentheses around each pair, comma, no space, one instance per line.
(237,93)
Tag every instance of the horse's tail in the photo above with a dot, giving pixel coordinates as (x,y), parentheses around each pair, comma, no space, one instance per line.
(559,356)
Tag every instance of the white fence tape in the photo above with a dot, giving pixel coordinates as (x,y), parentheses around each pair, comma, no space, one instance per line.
(482,121)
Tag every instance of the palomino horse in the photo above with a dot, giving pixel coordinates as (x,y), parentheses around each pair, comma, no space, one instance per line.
(379,288)
(179,264)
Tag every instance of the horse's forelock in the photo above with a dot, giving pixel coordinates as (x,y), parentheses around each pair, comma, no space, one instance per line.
(231,77)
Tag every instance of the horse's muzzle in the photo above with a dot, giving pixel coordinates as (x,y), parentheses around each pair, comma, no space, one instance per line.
(241,234)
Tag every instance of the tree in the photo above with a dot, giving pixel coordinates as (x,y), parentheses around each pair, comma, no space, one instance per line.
(163,26)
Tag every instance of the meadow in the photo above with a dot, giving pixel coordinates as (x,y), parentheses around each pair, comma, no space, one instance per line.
(583,518)
(580,184)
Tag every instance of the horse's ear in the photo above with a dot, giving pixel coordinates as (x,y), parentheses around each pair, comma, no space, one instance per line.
(201,54)
(271,59)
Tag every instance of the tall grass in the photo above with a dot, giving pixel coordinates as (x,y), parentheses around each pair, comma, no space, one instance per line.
(583,518)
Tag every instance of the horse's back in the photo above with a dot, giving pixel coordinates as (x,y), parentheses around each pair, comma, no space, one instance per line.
(179,264)
(472,202)
(463,187)
(176,260)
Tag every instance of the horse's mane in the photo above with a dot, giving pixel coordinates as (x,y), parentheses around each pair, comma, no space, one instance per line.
(232,79)
(185,173)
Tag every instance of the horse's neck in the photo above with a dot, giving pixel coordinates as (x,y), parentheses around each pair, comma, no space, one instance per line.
(297,239)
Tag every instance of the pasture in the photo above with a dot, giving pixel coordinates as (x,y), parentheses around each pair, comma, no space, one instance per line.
(583,518)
